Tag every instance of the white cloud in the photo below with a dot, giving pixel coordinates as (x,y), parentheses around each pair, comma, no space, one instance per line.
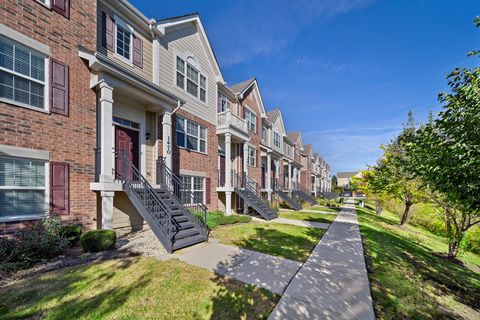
(252,28)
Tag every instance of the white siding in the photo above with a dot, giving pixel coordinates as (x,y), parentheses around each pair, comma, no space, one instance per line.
(186,41)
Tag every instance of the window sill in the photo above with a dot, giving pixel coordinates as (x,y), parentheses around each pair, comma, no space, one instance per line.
(22,105)
(20,219)
(123,59)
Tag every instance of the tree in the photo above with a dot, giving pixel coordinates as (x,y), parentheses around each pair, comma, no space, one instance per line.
(393,176)
(371,185)
(446,155)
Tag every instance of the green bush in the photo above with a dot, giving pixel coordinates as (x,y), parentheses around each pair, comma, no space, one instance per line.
(471,241)
(98,240)
(40,241)
(217,218)
(71,233)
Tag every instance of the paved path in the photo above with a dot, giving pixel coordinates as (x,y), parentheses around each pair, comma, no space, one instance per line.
(263,270)
(300,223)
(333,283)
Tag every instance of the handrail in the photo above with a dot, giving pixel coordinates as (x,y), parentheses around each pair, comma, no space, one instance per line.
(184,195)
(242,181)
(145,193)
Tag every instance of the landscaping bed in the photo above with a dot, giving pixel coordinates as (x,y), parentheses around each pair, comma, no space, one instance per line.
(410,276)
(134,288)
(308,216)
(286,241)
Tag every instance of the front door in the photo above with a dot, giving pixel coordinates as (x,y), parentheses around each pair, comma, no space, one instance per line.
(126,142)
(221,178)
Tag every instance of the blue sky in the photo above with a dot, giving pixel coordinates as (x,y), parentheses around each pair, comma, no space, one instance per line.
(344,72)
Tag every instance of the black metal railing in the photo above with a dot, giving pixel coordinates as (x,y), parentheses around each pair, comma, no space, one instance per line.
(136,184)
(182,193)
(242,181)
(222,178)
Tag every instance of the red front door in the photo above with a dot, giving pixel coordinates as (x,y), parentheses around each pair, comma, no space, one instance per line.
(222,171)
(126,142)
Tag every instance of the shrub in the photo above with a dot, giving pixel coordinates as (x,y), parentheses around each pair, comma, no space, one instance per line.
(471,241)
(217,218)
(71,233)
(98,240)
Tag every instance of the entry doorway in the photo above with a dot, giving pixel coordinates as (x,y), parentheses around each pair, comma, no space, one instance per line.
(127,142)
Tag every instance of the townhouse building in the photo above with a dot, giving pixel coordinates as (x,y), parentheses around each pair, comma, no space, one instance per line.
(120,121)
(47,112)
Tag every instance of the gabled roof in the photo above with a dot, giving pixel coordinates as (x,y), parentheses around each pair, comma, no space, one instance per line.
(293,136)
(273,115)
(164,24)
(307,148)
(242,87)
(347,174)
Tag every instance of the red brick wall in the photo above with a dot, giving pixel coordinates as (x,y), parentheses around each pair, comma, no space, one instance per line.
(69,139)
(183,159)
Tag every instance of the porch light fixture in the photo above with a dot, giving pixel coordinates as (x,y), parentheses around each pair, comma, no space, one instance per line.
(147,136)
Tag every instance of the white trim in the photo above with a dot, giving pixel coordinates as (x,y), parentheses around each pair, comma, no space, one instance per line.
(45,3)
(27,153)
(184,56)
(119,21)
(24,40)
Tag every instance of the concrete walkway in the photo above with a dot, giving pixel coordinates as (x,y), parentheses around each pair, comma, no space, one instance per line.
(310,210)
(333,283)
(263,270)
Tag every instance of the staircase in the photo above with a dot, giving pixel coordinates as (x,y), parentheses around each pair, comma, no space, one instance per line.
(329,195)
(304,196)
(251,193)
(292,203)
(175,224)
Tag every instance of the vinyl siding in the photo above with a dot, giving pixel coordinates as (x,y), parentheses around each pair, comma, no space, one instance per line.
(146,71)
(186,40)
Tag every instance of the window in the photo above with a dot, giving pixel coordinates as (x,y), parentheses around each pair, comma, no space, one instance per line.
(223,104)
(264,134)
(22,74)
(22,187)
(193,189)
(191,135)
(276,140)
(252,156)
(196,82)
(124,41)
(251,120)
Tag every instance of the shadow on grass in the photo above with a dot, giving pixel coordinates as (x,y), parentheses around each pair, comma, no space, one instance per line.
(389,252)
(278,243)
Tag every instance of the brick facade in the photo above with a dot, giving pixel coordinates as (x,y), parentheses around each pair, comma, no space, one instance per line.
(69,139)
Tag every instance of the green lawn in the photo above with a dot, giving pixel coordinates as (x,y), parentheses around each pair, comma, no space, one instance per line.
(308,216)
(409,279)
(135,288)
(323,208)
(287,241)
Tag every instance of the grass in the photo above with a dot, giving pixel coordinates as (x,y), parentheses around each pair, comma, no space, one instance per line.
(287,241)
(323,208)
(409,275)
(216,218)
(308,216)
(135,288)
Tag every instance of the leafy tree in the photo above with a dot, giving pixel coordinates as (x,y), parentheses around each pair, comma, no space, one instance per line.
(392,173)
(371,185)
(446,155)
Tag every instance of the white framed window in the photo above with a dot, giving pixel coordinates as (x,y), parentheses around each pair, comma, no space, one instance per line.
(23,187)
(23,74)
(191,135)
(264,134)
(252,156)
(190,79)
(195,185)
(123,39)
(46,3)
(223,103)
(251,120)
(277,141)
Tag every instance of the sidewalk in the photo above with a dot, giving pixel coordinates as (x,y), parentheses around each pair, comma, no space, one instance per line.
(263,270)
(333,283)
(299,223)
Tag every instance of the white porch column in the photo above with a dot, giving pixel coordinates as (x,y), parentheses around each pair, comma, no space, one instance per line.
(315,183)
(228,173)
(106,132)
(245,158)
(269,176)
(167,138)
(107,209)
(290,185)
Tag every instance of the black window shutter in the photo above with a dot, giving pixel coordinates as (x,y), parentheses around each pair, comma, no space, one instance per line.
(108,31)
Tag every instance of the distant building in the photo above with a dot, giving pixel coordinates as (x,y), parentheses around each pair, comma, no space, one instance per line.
(343,178)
